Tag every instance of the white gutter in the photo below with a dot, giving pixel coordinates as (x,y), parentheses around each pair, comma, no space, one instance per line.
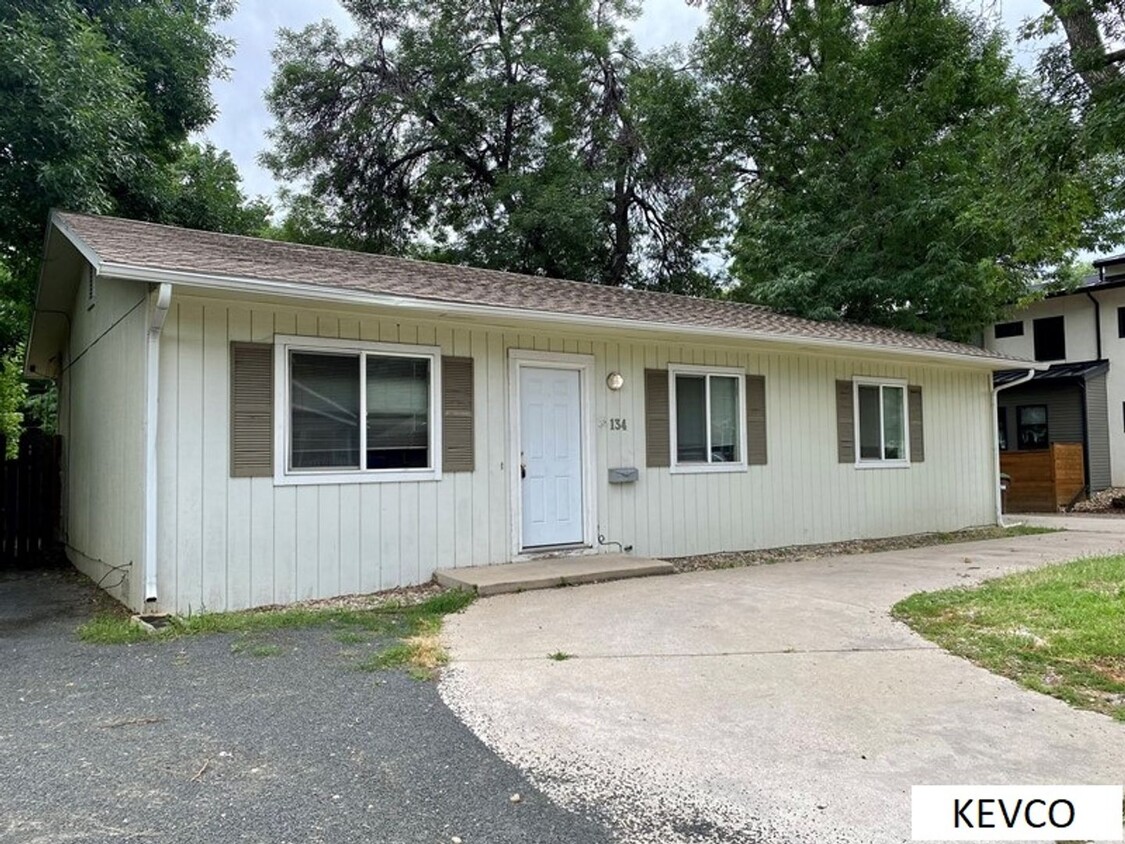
(160,300)
(996,437)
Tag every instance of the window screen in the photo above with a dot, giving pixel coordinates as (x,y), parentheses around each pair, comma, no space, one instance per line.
(359,410)
(398,413)
(708,418)
(882,422)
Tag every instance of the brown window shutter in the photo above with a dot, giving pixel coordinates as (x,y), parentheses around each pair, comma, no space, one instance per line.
(457,452)
(914,410)
(756,420)
(658,449)
(251,410)
(845,421)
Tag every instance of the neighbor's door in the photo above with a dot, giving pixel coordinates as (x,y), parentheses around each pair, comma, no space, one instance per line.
(551,456)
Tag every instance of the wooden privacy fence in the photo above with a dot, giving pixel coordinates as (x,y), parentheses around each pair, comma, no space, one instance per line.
(1045,480)
(29,498)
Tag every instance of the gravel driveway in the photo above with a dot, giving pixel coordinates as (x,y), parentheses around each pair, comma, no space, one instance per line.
(200,740)
(773,704)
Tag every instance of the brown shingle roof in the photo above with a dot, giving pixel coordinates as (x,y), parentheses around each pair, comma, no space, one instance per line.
(150,246)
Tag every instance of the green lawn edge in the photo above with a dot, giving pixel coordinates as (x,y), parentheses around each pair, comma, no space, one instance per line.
(1058,629)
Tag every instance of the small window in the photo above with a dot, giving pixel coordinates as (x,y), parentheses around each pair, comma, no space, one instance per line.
(1002,427)
(708,431)
(1050,338)
(881,422)
(1031,427)
(1009,329)
(363,413)
(1121,322)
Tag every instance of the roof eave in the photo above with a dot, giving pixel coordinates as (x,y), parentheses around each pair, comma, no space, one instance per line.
(341,295)
(320,293)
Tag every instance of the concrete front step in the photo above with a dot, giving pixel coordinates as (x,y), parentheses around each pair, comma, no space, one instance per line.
(550,572)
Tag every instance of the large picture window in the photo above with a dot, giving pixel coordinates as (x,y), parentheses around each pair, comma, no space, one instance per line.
(708,431)
(881,423)
(353,411)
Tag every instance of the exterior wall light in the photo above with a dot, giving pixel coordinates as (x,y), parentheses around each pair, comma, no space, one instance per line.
(615,380)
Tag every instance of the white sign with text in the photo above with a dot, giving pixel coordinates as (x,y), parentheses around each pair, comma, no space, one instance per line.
(1016,813)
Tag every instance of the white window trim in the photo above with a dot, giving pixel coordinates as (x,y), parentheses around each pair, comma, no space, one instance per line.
(678,468)
(882,463)
(284,476)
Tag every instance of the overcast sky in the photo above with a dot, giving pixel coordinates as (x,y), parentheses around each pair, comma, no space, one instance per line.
(243,119)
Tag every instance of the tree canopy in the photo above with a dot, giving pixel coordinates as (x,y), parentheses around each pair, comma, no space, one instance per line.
(529,135)
(897,168)
(98,100)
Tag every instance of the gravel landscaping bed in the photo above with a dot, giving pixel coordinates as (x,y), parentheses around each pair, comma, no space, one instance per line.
(790,553)
(1102,503)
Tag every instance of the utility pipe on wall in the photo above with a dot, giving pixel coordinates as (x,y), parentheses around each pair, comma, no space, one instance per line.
(996,438)
(160,300)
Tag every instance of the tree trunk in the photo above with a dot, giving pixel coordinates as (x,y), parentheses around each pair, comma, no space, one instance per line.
(1087,51)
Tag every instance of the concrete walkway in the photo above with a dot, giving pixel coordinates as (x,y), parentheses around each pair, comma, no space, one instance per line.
(550,572)
(1089,522)
(778,703)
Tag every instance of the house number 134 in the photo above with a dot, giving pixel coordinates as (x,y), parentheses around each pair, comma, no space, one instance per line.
(618,425)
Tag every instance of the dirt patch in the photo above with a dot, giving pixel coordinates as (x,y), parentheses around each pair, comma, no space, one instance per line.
(1112,669)
(406,596)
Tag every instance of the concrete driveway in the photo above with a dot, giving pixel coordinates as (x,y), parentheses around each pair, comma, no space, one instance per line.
(779,703)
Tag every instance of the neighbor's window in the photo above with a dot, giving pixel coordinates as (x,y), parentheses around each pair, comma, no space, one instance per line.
(1050,338)
(1002,427)
(1031,427)
(881,422)
(708,418)
(365,411)
(1009,329)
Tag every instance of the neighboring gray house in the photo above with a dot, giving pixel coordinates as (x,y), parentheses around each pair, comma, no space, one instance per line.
(1080,398)
(249,422)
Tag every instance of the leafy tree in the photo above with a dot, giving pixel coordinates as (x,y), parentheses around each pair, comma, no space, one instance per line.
(13,396)
(528,135)
(896,168)
(97,101)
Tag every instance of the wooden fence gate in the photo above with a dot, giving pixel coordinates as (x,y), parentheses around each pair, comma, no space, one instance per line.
(29,498)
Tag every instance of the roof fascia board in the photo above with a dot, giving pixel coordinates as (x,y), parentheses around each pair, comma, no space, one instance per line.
(87,251)
(316,293)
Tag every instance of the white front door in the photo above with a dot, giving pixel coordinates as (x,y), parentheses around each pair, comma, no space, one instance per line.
(550,456)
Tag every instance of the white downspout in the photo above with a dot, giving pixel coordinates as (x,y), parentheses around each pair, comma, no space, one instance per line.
(157,314)
(996,439)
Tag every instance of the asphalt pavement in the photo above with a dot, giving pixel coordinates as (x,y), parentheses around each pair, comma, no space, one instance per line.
(205,739)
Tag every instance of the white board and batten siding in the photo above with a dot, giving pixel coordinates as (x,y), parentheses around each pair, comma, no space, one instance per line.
(101,421)
(226,543)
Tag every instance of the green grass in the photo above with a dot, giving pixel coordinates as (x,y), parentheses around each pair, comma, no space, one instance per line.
(259,649)
(559,656)
(413,629)
(1059,630)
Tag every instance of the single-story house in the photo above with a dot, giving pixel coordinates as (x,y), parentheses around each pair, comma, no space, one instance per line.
(248,422)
